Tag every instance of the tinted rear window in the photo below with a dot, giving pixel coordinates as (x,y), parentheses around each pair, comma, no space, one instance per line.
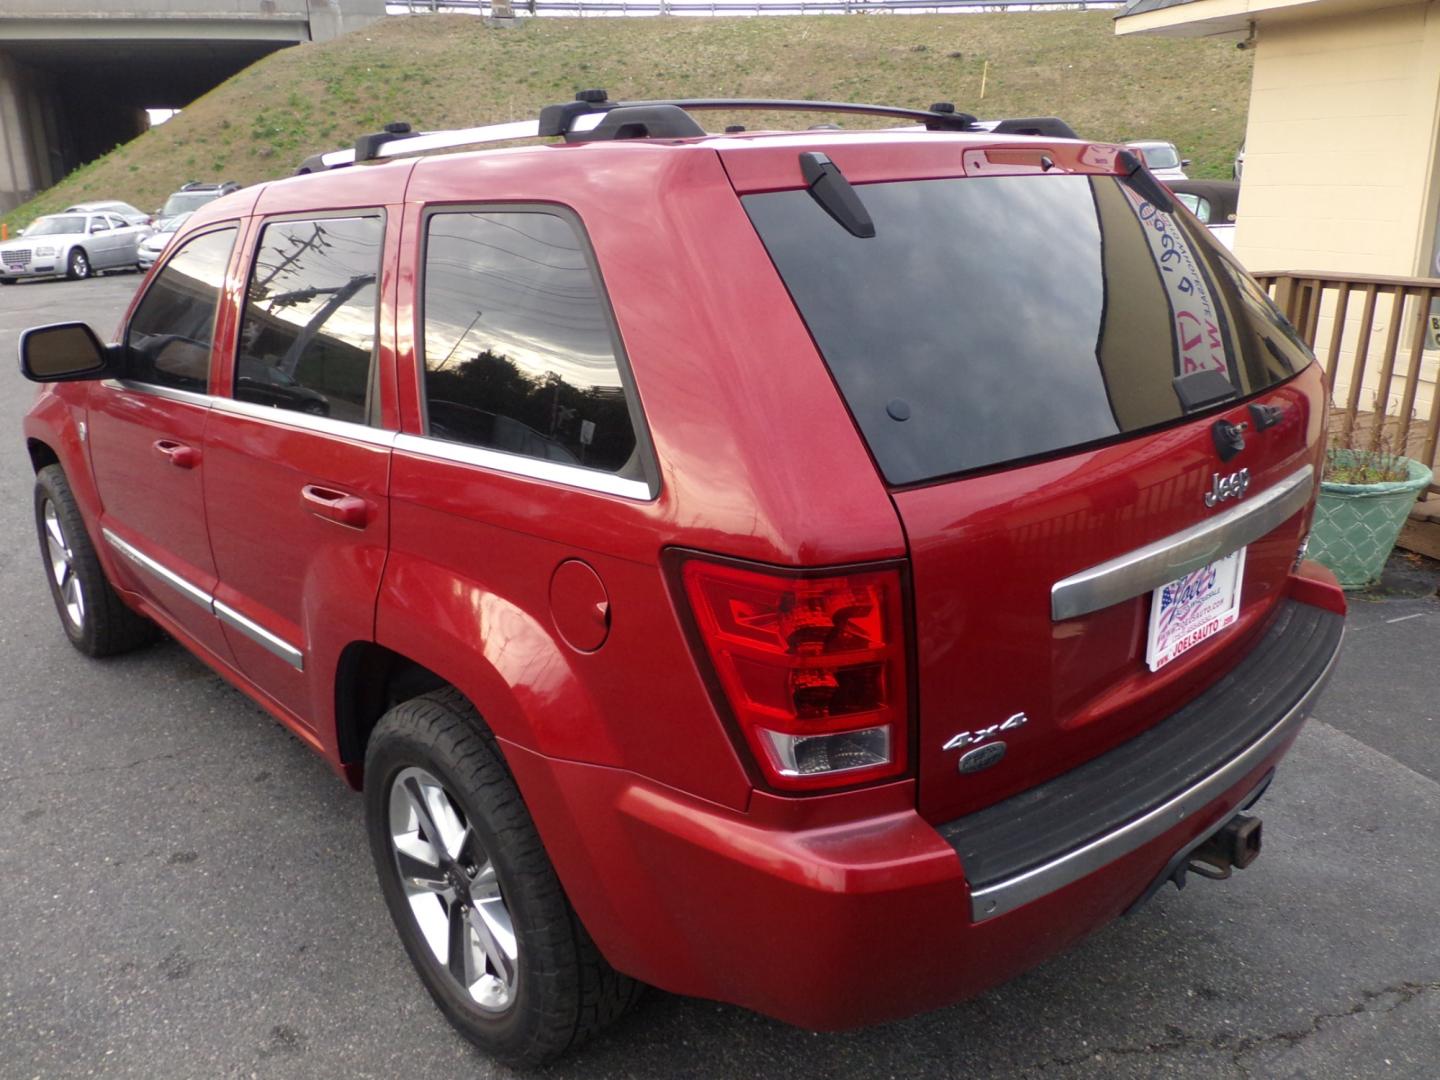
(1009,317)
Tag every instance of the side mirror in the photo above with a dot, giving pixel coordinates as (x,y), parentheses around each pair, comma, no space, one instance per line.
(64,352)
(1185,163)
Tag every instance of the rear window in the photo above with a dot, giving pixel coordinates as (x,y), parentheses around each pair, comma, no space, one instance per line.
(994,319)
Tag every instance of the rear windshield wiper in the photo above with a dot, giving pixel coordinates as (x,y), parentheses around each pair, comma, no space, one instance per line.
(828,187)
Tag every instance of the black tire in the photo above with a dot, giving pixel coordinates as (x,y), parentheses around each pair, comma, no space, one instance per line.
(77,267)
(105,625)
(7,281)
(563,990)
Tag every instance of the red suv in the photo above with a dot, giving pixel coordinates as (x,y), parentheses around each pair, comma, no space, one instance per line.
(825,571)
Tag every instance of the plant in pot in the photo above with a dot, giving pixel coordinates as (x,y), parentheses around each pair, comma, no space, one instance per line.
(1366,493)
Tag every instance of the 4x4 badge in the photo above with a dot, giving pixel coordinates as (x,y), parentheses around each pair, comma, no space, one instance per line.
(975,738)
(1227,487)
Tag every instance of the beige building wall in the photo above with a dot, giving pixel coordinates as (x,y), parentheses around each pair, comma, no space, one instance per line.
(1340,152)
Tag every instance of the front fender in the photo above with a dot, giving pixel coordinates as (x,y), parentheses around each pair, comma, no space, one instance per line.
(54,422)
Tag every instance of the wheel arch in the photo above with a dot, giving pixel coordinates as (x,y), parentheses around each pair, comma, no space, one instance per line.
(370,680)
(41,453)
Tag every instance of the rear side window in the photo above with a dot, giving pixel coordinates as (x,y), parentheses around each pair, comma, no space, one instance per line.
(170,335)
(519,351)
(307,338)
(993,319)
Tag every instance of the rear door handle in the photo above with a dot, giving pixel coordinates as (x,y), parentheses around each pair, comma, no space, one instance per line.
(179,455)
(337,506)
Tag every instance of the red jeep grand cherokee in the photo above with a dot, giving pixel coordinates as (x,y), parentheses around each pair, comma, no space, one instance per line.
(731,563)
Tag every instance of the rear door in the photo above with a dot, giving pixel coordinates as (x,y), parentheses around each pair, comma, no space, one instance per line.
(298,452)
(1038,360)
(146,433)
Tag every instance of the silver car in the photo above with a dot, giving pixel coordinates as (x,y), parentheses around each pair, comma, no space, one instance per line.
(154,244)
(75,245)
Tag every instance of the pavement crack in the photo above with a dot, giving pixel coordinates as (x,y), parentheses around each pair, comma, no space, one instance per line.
(1384,1000)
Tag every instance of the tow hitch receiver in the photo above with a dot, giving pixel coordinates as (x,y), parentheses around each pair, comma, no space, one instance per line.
(1233,846)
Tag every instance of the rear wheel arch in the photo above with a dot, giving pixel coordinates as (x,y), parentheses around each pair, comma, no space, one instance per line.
(369,681)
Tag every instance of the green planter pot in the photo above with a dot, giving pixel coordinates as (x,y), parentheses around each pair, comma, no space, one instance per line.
(1356,525)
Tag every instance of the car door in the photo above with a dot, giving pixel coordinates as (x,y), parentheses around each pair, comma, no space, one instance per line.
(127,239)
(298,454)
(146,434)
(100,242)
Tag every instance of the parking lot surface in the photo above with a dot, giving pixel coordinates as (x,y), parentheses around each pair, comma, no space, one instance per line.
(185,889)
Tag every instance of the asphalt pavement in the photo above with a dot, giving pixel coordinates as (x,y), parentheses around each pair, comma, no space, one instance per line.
(185,889)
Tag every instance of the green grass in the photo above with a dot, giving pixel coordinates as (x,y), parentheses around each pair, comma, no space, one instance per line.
(453,71)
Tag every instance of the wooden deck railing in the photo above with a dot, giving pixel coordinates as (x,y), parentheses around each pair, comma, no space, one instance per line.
(1380,393)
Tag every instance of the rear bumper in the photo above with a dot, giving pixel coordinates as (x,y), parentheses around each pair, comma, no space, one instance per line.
(846,910)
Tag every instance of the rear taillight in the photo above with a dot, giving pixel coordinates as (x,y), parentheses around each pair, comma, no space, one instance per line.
(812,668)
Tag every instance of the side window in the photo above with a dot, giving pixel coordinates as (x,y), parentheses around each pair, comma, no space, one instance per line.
(99,223)
(518,350)
(170,335)
(307,337)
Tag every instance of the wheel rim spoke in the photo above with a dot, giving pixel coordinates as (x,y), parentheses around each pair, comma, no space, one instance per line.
(419,874)
(494,939)
(421,809)
(461,958)
(484,886)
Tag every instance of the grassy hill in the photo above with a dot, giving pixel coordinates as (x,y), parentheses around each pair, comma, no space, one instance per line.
(453,71)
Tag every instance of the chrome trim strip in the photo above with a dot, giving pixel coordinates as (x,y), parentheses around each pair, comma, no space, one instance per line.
(531,468)
(324,425)
(1149,567)
(222,611)
(1007,895)
(258,634)
(168,392)
(193,593)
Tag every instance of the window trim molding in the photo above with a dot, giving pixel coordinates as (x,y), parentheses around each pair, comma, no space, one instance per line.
(522,465)
(502,461)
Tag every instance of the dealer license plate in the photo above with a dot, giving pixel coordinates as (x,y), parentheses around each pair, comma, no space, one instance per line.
(1194,608)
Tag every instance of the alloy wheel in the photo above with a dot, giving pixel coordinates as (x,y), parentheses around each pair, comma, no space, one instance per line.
(62,568)
(451,886)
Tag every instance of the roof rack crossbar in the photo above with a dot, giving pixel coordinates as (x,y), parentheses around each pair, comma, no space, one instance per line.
(575,120)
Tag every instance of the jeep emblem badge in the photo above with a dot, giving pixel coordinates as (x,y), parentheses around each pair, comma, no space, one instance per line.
(982,757)
(1227,487)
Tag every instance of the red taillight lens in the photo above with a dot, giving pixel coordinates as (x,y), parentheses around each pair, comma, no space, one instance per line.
(813,668)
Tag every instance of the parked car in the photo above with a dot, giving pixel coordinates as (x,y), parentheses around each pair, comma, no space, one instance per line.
(1161,158)
(1239,166)
(871,590)
(124,210)
(151,247)
(1214,202)
(72,245)
(192,196)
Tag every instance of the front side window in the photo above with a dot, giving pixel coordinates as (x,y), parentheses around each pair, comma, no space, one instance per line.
(307,337)
(169,339)
(518,348)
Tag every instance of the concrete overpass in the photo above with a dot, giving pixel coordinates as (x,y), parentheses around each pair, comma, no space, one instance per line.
(77,75)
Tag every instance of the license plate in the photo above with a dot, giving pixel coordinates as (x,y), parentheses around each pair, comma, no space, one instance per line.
(1193,609)
(17,266)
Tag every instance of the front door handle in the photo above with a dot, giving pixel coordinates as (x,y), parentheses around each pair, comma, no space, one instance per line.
(179,455)
(337,506)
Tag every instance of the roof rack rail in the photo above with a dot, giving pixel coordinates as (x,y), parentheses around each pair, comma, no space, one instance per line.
(592,116)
